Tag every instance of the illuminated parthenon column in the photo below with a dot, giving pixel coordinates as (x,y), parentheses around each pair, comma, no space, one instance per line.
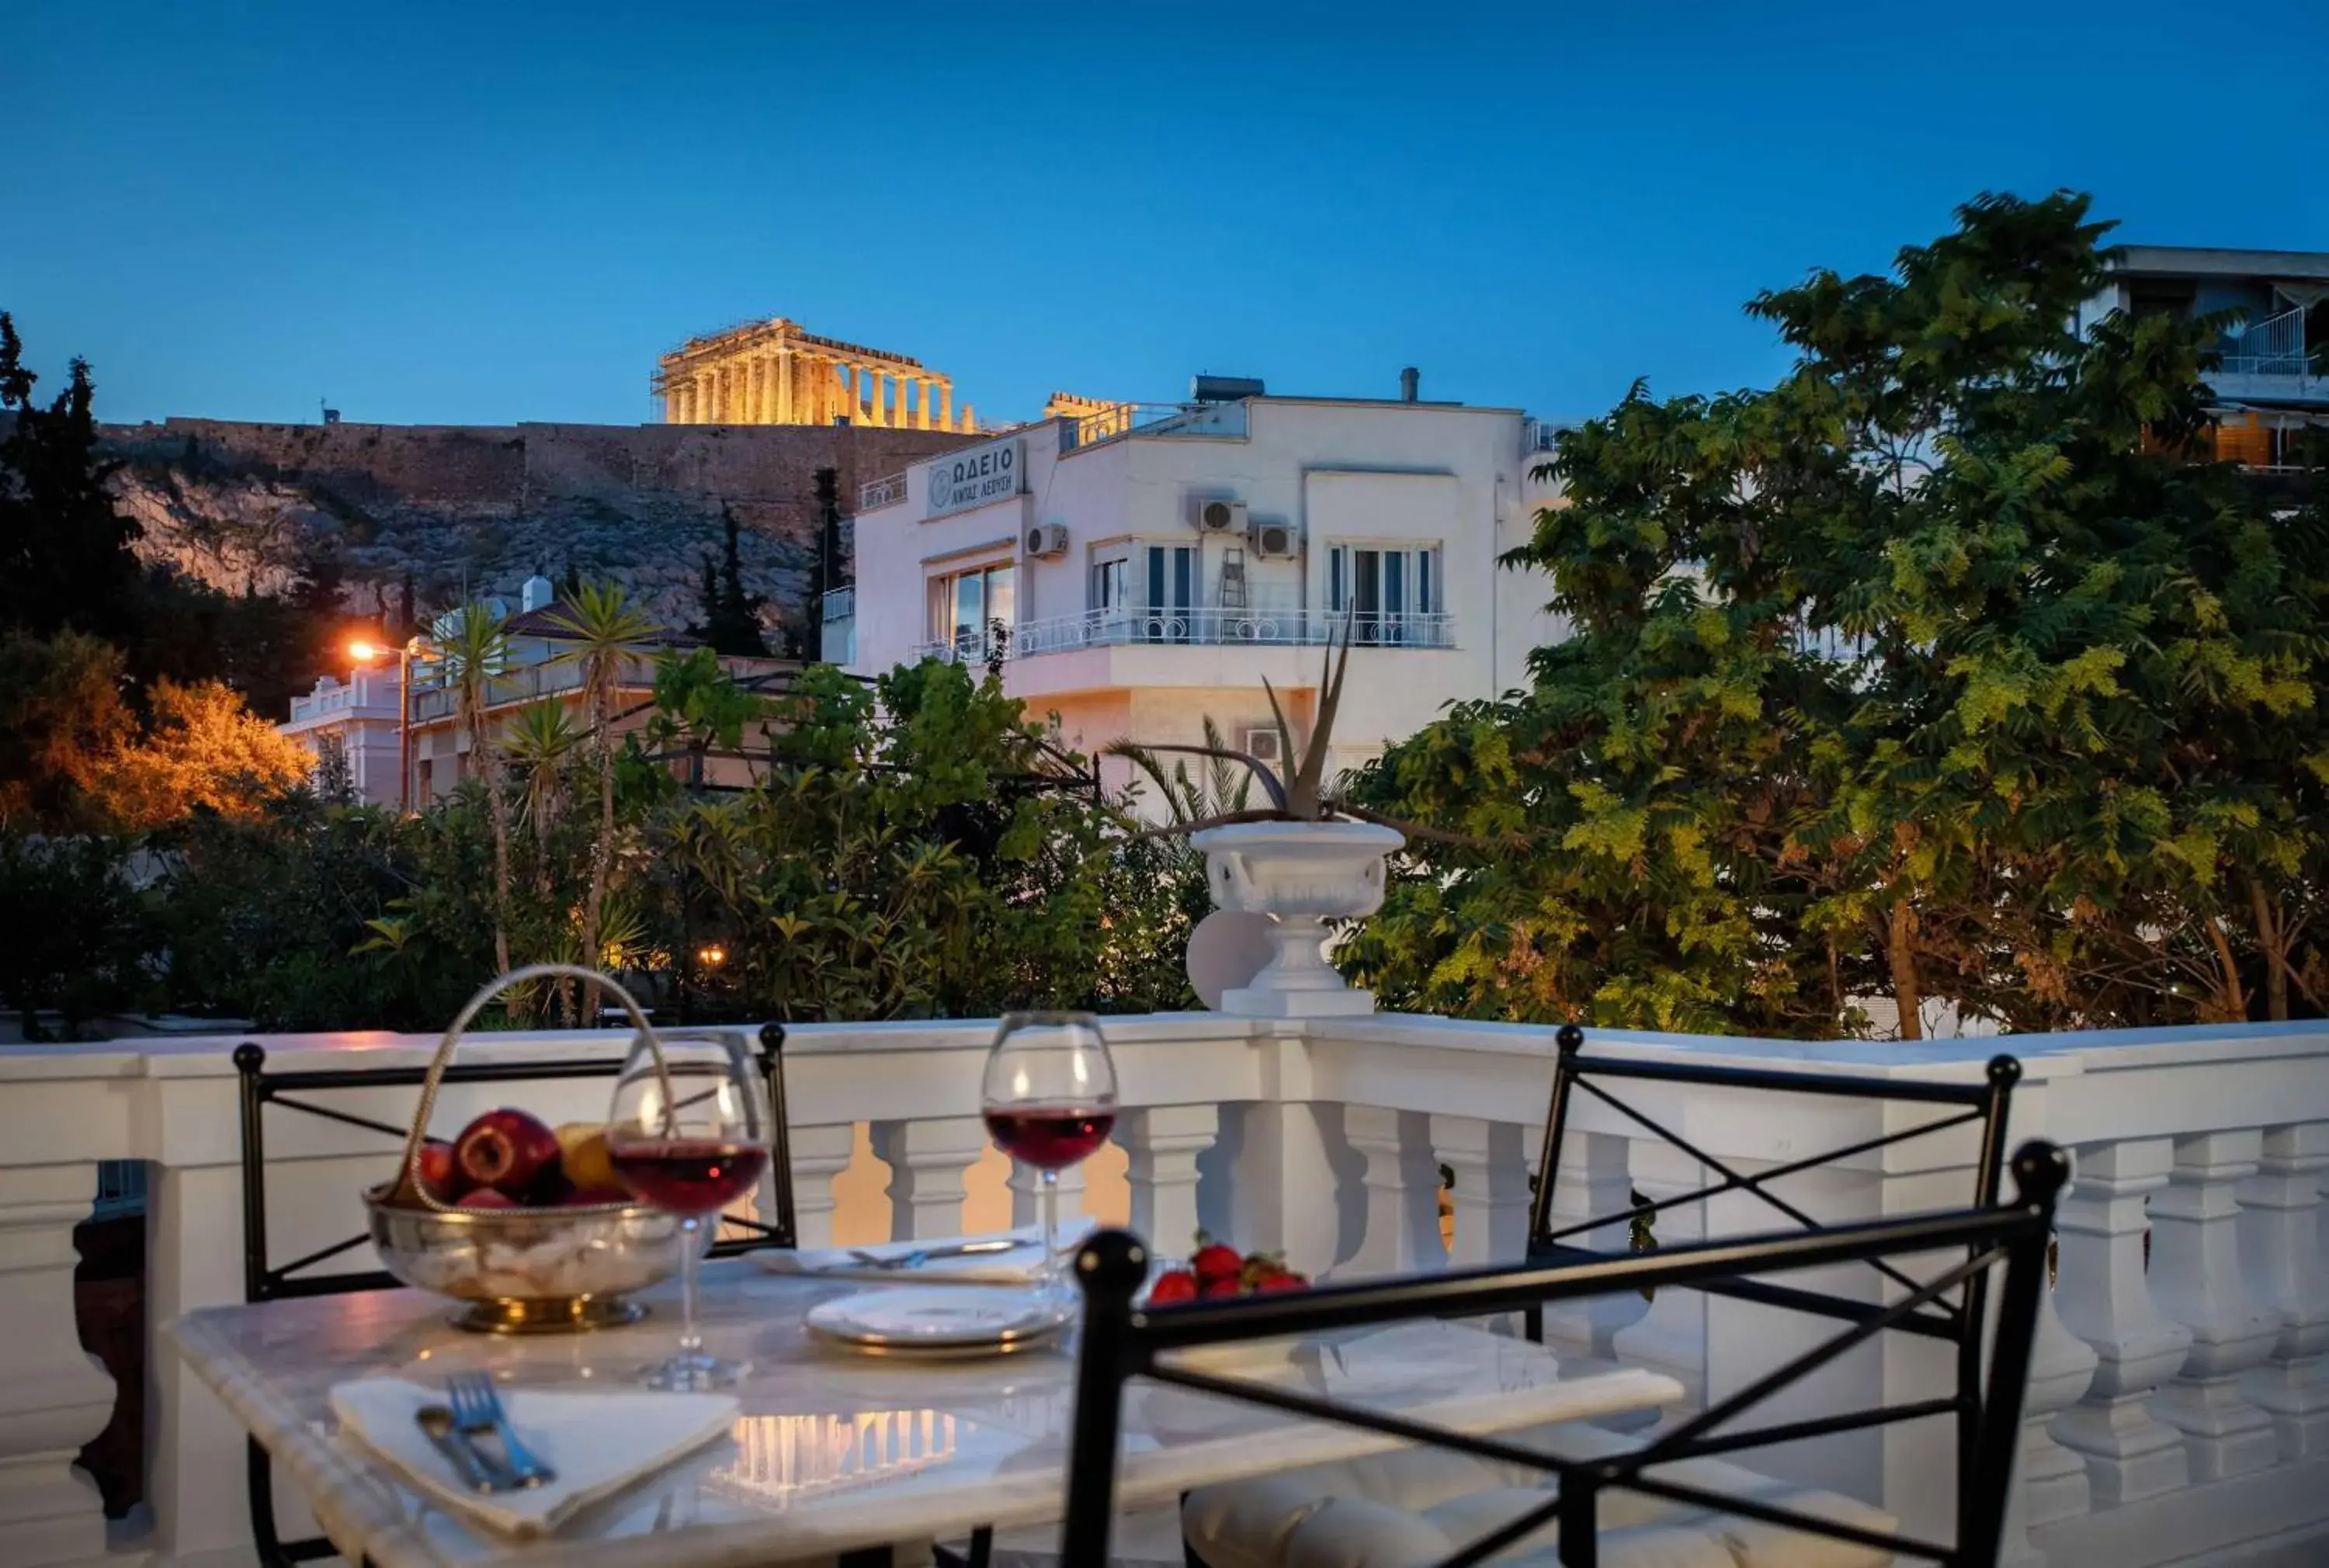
(772,372)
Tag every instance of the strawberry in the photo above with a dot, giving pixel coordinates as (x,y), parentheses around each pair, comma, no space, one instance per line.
(1171,1286)
(1226,1285)
(1214,1261)
(1270,1284)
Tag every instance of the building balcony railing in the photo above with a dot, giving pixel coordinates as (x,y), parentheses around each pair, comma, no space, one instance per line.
(526,683)
(1219,421)
(840,604)
(318,704)
(887,491)
(1198,628)
(2176,1411)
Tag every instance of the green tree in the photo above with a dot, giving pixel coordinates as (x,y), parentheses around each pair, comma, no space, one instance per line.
(62,719)
(1931,671)
(67,558)
(731,617)
(604,631)
(474,652)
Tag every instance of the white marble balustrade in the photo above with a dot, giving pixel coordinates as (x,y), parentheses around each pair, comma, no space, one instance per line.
(2178,1410)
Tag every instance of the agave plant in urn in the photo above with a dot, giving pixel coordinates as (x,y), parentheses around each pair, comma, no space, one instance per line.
(1308,857)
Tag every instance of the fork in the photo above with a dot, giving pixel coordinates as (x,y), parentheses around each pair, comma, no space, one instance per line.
(477,1408)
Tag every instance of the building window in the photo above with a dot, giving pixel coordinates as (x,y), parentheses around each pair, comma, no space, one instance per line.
(1172,584)
(1112,584)
(1389,591)
(969,609)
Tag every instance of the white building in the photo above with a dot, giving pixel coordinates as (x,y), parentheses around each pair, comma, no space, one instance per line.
(1139,570)
(357,718)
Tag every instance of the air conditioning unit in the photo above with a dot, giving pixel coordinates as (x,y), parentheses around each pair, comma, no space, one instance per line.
(1048,539)
(1275,542)
(1221,517)
(1261,741)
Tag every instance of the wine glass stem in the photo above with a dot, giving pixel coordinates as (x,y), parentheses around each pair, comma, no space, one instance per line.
(1051,1226)
(690,1341)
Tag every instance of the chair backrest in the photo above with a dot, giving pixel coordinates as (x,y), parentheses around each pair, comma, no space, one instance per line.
(1121,1340)
(292,1091)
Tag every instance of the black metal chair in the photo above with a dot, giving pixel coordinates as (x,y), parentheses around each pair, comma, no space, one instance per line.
(265,1282)
(1984,1105)
(1121,1341)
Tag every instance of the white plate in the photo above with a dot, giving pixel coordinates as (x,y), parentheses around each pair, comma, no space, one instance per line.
(935,1320)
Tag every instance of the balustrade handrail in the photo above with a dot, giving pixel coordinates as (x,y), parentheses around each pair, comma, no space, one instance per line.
(1216,627)
(887,491)
(2274,347)
(2205,1146)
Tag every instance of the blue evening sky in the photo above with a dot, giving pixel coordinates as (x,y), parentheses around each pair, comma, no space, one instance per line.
(482,213)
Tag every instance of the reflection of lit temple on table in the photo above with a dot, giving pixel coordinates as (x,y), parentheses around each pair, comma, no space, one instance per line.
(780,1458)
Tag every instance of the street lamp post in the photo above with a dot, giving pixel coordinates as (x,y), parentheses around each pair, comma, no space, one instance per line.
(364,654)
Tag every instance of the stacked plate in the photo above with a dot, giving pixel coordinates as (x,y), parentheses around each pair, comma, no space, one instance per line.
(937,1321)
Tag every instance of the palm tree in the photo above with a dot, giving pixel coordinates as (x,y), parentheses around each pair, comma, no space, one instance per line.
(1224,787)
(604,630)
(474,650)
(538,740)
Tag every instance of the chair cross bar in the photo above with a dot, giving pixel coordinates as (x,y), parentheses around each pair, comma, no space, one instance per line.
(1820,1426)
(318,1256)
(1687,1147)
(1731,1184)
(349,1117)
(1771,1514)
(1818,1355)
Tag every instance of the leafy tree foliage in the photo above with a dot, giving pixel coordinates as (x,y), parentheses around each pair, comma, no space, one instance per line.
(1939,670)
(731,617)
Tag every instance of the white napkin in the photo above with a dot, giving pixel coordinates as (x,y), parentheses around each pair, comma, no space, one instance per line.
(885,1259)
(598,1443)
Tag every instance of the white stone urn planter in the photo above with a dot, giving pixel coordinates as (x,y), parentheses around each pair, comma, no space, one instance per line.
(1300,874)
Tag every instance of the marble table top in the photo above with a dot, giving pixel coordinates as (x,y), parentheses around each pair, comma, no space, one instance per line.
(834,1450)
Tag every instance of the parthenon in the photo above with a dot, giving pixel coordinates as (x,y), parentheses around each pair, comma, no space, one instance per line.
(771,372)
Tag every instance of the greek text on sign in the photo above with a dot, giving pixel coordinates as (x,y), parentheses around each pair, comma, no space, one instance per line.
(963,480)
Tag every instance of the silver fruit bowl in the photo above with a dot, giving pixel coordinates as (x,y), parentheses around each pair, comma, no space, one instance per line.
(528,1270)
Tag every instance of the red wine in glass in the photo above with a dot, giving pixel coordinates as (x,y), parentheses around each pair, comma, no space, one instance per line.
(1047,1137)
(689,1175)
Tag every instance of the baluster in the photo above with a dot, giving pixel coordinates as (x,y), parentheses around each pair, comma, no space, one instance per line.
(1160,1147)
(1026,1184)
(1594,1180)
(927,1161)
(54,1394)
(2282,1221)
(2105,1299)
(1402,1191)
(818,1155)
(1490,1190)
(2050,1481)
(2195,1273)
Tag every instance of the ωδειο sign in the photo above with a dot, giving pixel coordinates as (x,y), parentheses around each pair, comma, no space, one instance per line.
(962,480)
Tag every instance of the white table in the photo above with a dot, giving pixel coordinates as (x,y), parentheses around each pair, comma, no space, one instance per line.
(835,1452)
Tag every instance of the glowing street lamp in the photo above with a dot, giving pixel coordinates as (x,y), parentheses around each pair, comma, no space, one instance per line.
(363,651)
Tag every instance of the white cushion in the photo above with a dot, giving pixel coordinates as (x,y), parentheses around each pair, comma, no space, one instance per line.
(1415,1507)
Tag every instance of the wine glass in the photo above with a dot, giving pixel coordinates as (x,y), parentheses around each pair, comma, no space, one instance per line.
(688,1134)
(1048,1098)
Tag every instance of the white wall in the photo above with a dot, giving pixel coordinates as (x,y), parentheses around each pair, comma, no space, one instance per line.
(1420,474)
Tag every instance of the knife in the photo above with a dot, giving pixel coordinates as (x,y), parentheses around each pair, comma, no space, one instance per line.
(915,1260)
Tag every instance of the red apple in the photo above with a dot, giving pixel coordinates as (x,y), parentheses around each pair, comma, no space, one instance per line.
(486,1197)
(507,1150)
(1171,1286)
(588,1196)
(439,1176)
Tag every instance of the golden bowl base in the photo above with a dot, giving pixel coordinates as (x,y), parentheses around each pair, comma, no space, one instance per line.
(560,1315)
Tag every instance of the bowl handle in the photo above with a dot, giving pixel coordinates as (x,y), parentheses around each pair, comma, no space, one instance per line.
(418,1135)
